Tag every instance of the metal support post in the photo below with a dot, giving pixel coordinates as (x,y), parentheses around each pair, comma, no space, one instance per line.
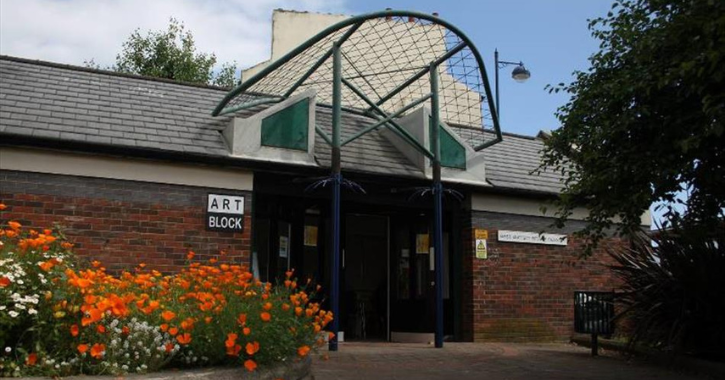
(337,179)
(438,206)
(495,67)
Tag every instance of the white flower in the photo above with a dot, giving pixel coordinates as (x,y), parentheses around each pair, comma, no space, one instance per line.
(32,311)
(20,282)
(13,313)
(7,350)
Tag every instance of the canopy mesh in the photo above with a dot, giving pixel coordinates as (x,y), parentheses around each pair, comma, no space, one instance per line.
(379,57)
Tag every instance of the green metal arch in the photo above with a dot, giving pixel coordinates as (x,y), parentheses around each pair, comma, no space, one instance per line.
(359,20)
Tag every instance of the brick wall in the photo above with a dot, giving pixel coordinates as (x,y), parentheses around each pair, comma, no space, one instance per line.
(123,223)
(524,292)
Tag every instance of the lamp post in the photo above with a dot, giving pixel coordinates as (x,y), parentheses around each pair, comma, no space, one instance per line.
(519,73)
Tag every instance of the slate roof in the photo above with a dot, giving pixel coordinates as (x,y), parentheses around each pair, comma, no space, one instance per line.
(74,104)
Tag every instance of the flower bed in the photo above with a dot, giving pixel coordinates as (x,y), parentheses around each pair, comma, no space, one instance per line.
(58,318)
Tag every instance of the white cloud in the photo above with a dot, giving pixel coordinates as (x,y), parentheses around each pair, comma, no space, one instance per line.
(71,31)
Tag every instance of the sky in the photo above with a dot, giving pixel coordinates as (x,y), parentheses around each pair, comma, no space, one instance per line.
(549,37)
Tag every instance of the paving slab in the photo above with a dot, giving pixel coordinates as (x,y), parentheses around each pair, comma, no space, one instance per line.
(490,361)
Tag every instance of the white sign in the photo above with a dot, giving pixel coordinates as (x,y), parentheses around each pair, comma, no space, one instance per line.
(531,238)
(225,204)
(225,213)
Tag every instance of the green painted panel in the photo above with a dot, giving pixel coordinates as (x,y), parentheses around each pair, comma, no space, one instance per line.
(453,154)
(288,128)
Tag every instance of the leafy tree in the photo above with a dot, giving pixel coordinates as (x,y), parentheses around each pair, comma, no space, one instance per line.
(170,54)
(647,120)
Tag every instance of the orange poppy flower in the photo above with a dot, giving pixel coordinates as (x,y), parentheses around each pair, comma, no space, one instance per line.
(14,225)
(94,315)
(252,348)
(2,206)
(184,338)
(187,324)
(207,320)
(190,255)
(4,281)
(164,327)
(231,339)
(169,347)
(46,266)
(168,315)
(303,351)
(250,365)
(298,311)
(266,317)
(74,330)
(242,319)
(234,350)
(125,330)
(173,331)
(82,348)
(98,350)
(246,331)
(32,359)
(285,307)
(101,329)
(267,306)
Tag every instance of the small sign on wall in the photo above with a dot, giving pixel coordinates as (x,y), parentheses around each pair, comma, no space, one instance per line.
(481,244)
(225,213)
(422,243)
(531,238)
(310,236)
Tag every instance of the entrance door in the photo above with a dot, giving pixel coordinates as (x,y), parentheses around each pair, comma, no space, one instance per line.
(364,303)
(412,297)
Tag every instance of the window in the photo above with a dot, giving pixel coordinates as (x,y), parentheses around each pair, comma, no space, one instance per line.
(453,154)
(288,128)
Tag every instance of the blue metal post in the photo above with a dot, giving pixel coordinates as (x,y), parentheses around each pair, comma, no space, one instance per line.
(437,205)
(337,179)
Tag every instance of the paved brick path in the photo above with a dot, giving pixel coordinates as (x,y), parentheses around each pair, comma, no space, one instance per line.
(490,361)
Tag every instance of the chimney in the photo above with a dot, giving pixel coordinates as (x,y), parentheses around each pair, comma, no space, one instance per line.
(411,19)
(388,17)
(435,14)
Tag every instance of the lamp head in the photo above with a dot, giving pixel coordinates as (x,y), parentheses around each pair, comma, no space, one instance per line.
(520,74)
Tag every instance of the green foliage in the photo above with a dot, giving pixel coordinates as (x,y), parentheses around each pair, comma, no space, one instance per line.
(674,290)
(647,120)
(170,54)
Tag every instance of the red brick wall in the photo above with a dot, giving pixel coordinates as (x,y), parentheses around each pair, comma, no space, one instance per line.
(123,223)
(524,292)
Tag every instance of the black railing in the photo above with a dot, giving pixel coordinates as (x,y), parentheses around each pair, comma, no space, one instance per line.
(594,314)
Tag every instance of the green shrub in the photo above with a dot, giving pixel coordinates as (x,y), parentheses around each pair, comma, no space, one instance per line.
(673,290)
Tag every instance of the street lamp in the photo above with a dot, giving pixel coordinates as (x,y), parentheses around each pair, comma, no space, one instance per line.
(520,74)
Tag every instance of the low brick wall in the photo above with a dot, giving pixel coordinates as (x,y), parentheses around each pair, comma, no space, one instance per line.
(124,223)
(524,292)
